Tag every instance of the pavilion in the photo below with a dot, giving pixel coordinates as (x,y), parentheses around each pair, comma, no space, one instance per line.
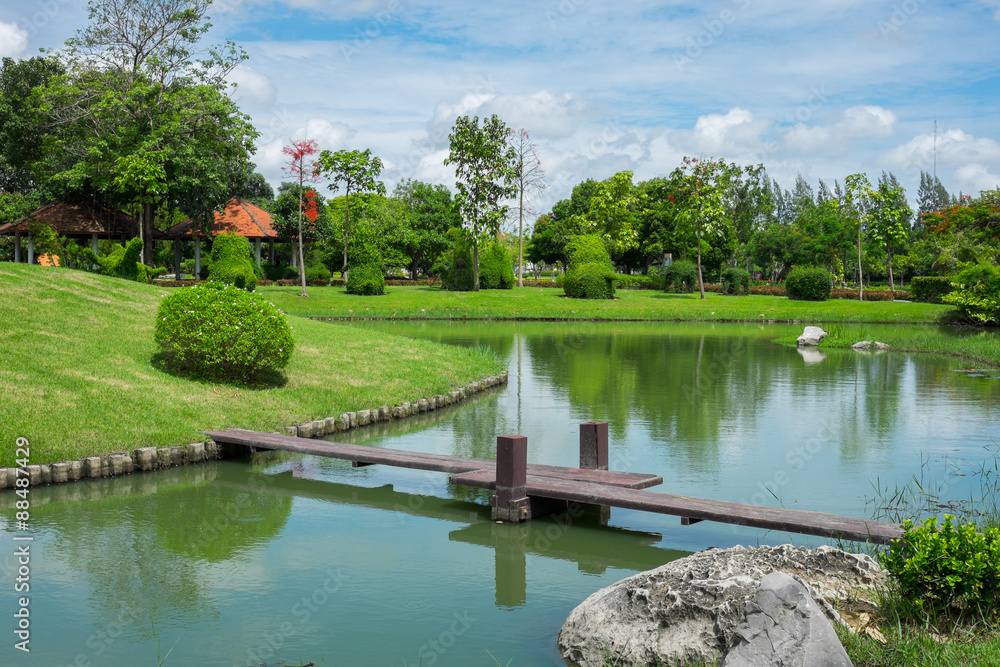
(75,221)
(239,217)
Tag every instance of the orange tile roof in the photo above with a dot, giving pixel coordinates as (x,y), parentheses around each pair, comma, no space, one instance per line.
(77,220)
(240,217)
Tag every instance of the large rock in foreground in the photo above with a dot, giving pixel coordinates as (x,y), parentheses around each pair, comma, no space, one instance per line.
(688,611)
(811,336)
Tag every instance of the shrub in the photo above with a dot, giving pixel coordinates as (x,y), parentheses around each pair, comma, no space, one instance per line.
(950,569)
(587,249)
(735,281)
(123,262)
(681,276)
(808,284)
(930,289)
(367,279)
(459,278)
(317,272)
(281,273)
(639,281)
(220,332)
(232,263)
(590,281)
(496,270)
(978,294)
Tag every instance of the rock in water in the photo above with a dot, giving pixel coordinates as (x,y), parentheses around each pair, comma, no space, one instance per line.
(812,336)
(687,611)
(785,627)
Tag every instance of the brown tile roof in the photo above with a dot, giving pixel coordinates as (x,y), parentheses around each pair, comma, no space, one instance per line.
(240,217)
(77,220)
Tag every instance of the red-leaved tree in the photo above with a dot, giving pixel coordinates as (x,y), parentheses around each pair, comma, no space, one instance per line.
(304,168)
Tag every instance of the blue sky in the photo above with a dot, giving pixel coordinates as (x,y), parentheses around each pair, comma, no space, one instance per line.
(824,89)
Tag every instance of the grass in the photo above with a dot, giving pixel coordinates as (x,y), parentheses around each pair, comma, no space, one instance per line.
(549,303)
(77,379)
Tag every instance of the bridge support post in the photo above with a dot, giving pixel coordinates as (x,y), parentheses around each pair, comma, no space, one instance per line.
(510,502)
(594,456)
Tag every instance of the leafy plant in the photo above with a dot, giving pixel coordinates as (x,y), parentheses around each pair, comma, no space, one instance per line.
(232,262)
(366,279)
(220,332)
(978,294)
(736,281)
(808,284)
(953,569)
(123,262)
(590,281)
(495,268)
(930,289)
(681,276)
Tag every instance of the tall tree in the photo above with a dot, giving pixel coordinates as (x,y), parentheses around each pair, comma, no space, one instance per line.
(429,212)
(857,207)
(485,176)
(932,195)
(705,182)
(359,171)
(890,217)
(530,180)
(305,169)
(22,125)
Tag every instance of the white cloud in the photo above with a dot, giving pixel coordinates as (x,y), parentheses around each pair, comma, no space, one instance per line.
(954,147)
(252,87)
(737,133)
(859,122)
(974,178)
(13,40)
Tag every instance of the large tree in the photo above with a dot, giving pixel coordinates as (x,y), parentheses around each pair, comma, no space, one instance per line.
(22,124)
(530,180)
(485,176)
(704,183)
(139,117)
(359,171)
(304,169)
(428,213)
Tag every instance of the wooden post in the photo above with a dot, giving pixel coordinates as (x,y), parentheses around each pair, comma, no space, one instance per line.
(17,247)
(594,445)
(510,503)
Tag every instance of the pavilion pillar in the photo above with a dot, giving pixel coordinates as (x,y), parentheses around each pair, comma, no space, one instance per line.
(31,249)
(295,255)
(93,243)
(256,248)
(270,251)
(17,247)
(177,259)
(197,257)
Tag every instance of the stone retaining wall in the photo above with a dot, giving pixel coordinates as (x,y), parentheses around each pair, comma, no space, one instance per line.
(145,459)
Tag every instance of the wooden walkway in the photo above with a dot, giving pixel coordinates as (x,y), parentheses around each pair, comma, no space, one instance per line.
(525,490)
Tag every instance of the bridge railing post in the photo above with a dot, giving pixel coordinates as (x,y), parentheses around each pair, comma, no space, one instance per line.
(510,502)
(594,445)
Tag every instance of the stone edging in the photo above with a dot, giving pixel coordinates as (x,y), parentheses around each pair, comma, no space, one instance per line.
(146,459)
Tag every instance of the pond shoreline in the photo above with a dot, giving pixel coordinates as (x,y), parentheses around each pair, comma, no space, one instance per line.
(149,459)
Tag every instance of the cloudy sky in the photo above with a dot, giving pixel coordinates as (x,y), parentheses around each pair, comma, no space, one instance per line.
(823,89)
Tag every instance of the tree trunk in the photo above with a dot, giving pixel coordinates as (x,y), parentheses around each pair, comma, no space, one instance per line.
(861,279)
(347,218)
(475,265)
(147,245)
(413,270)
(520,242)
(892,285)
(701,281)
(302,259)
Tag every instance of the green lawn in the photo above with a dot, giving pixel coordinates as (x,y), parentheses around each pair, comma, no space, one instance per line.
(76,377)
(547,302)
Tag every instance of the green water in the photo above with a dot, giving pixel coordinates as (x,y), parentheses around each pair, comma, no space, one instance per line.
(299,559)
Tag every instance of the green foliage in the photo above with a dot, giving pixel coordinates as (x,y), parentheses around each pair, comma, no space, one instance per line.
(953,569)
(978,294)
(232,262)
(220,332)
(123,262)
(366,279)
(460,277)
(638,281)
(681,276)
(593,280)
(930,289)
(495,268)
(808,284)
(317,272)
(587,249)
(736,281)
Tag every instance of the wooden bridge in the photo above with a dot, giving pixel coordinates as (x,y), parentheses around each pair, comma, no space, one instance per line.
(524,490)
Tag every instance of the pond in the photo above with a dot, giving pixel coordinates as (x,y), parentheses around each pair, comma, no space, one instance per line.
(298,559)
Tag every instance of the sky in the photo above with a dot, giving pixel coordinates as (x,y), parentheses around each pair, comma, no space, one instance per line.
(823,89)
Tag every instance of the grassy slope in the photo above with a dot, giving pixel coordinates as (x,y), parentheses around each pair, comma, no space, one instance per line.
(76,378)
(539,302)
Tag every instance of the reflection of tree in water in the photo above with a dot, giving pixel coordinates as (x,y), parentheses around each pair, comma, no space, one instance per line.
(683,386)
(137,551)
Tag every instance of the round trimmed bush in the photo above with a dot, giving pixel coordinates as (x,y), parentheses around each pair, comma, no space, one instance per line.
(736,281)
(232,262)
(587,249)
(681,276)
(496,271)
(366,279)
(590,281)
(220,332)
(808,284)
